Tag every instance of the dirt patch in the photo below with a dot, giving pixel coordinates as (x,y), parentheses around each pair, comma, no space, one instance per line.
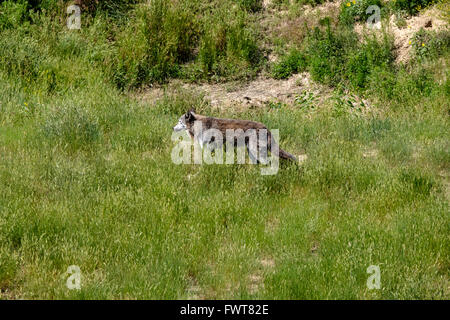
(428,19)
(272,225)
(256,93)
(6,294)
(266,3)
(268,263)
(328,8)
(370,153)
(315,247)
(255,283)
(256,280)
(302,158)
(194,291)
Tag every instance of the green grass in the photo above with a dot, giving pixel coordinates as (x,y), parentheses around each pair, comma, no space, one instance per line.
(87,180)
(96,188)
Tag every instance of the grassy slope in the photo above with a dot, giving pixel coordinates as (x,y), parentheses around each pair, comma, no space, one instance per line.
(87,180)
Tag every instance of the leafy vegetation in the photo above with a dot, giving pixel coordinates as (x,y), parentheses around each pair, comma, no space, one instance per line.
(412,6)
(294,62)
(429,44)
(357,10)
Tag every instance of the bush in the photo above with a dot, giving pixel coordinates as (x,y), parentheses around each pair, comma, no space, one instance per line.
(167,36)
(358,69)
(112,7)
(337,57)
(12,14)
(370,55)
(295,61)
(20,56)
(430,44)
(355,10)
(411,6)
(419,82)
(327,51)
(251,5)
(381,83)
(43,4)
(228,48)
(164,36)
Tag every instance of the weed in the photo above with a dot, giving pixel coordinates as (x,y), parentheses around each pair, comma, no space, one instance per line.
(294,62)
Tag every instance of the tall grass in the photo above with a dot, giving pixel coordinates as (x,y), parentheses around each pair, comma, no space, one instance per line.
(104,195)
(168,35)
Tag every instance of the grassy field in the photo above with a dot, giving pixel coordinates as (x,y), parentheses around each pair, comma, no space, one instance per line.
(86,176)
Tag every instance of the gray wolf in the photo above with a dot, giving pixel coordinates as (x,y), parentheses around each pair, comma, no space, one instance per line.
(236,133)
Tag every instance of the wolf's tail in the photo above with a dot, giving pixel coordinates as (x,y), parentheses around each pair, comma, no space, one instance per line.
(286,155)
(281,153)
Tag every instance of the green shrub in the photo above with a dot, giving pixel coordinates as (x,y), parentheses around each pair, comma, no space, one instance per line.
(241,42)
(43,4)
(207,54)
(295,61)
(176,40)
(20,56)
(112,7)
(337,57)
(228,48)
(372,54)
(411,6)
(12,14)
(306,100)
(355,10)
(251,5)
(419,83)
(430,44)
(381,83)
(358,69)
(164,36)
(327,51)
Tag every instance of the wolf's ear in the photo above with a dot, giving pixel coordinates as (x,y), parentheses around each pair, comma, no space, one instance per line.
(190,116)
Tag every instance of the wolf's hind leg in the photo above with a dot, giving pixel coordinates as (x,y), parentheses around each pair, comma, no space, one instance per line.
(263,152)
(253,154)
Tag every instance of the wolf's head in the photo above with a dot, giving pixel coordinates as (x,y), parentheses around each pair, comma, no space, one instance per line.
(186,121)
